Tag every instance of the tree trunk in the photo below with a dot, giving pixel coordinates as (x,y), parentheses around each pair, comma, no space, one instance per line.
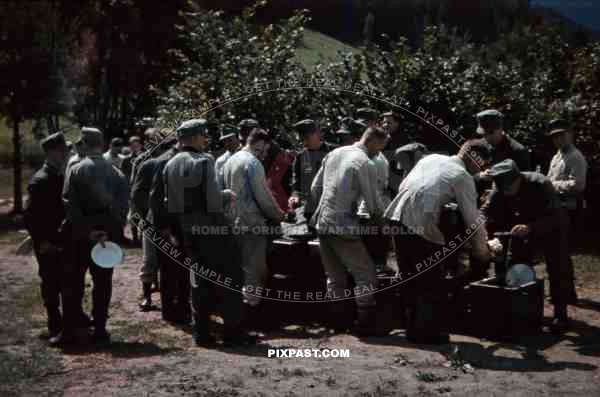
(17,168)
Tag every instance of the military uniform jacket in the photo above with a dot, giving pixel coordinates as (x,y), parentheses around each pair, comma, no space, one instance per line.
(158,213)
(192,193)
(96,196)
(536,205)
(305,167)
(140,187)
(45,212)
(509,148)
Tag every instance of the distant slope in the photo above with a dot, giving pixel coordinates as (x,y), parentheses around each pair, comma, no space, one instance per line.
(320,48)
(582,12)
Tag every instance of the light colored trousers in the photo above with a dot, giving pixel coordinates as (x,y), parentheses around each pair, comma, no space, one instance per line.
(253,250)
(340,255)
(149,260)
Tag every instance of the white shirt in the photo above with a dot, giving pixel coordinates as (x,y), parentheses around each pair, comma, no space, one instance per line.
(435,181)
(568,170)
(346,175)
(382,168)
(219,164)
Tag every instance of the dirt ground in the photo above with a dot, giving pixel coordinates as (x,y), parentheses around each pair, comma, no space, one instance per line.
(150,357)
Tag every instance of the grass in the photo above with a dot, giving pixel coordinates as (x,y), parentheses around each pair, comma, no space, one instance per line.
(24,360)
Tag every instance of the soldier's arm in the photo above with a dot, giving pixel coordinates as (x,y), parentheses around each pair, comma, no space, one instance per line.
(266,203)
(121,197)
(466,198)
(140,188)
(575,184)
(296,175)
(156,201)
(34,211)
(316,188)
(550,220)
(367,182)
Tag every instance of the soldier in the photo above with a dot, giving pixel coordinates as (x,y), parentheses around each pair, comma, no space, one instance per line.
(350,131)
(254,208)
(140,197)
(526,203)
(136,148)
(77,157)
(174,278)
(230,141)
(246,126)
(368,116)
(391,124)
(96,201)
(195,200)
(306,164)
(114,154)
(491,127)
(345,177)
(435,181)
(568,169)
(44,215)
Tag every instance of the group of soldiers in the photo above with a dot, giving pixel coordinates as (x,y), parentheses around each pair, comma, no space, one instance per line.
(374,173)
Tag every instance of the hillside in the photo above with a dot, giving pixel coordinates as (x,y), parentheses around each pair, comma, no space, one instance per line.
(319,47)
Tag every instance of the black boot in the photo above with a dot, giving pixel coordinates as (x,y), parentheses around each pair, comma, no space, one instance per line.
(54,322)
(146,304)
(560,322)
(342,317)
(426,323)
(201,335)
(235,335)
(367,324)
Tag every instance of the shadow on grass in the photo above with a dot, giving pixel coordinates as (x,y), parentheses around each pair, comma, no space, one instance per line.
(122,349)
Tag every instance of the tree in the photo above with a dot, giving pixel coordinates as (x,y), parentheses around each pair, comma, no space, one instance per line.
(27,64)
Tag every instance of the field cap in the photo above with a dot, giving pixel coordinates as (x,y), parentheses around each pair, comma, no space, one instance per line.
(504,173)
(305,127)
(488,121)
(192,127)
(557,126)
(54,141)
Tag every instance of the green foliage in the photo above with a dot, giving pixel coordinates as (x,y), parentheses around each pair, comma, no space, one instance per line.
(532,74)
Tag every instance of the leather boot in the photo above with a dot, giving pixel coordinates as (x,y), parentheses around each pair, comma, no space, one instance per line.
(366,324)
(146,304)
(200,334)
(342,318)
(54,321)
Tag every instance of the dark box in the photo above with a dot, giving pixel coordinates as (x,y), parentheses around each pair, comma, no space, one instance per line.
(498,311)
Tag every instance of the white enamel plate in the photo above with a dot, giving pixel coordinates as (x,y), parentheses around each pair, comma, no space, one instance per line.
(109,256)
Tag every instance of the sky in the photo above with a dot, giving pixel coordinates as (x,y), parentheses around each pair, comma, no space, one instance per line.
(584,12)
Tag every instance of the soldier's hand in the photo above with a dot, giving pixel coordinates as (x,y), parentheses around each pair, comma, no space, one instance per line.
(520,230)
(484,176)
(294,202)
(229,196)
(99,236)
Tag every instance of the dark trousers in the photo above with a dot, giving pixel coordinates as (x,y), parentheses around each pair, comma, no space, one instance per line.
(204,251)
(556,249)
(174,287)
(74,287)
(423,288)
(50,270)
